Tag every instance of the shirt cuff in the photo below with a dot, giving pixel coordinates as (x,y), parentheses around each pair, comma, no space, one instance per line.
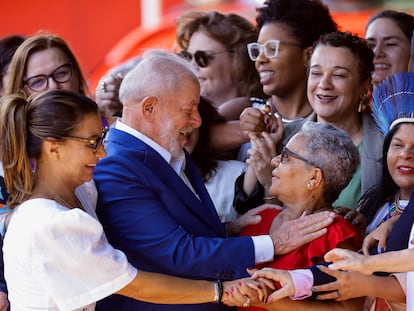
(303,282)
(263,248)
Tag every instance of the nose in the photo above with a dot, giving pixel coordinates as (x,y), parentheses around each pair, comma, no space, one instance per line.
(407,153)
(377,49)
(325,82)
(101,152)
(53,85)
(276,161)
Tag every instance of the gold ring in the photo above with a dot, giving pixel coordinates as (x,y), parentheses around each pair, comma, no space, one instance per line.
(246,303)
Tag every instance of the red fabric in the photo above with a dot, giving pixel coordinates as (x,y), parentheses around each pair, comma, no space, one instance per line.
(381,305)
(309,254)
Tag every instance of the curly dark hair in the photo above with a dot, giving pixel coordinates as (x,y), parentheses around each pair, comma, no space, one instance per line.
(356,45)
(232,31)
(307,19)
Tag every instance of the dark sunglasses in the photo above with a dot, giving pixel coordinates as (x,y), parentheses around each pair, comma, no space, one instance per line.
(94,142)
(287,152)
(202,58)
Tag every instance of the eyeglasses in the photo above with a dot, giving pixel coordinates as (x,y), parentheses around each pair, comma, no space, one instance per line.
(93,143)
(40,83)
(270,48)
(202,58)
(287,152)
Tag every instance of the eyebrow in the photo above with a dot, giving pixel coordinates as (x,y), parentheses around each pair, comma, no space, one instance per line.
(384,38)
(336,67)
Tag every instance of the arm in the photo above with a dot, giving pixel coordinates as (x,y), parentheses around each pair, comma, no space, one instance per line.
(398,261)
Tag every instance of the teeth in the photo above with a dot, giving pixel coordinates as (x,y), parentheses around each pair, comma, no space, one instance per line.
(266,74)
(407,169)
(381,66)
(325,97)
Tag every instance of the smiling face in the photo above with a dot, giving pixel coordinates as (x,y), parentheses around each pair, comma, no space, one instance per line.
(334,86)
(281,74)
(216,79)
(391,48)
(78,158)
(179,117)
(290,175)
(400,159)
(45,62)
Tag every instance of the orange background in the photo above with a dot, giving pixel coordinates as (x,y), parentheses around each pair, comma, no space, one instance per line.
(103,33)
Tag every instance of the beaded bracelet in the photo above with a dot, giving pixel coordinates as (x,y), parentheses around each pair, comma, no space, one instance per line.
(218,289)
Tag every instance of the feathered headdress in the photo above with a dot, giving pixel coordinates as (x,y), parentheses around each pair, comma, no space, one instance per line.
(393,101)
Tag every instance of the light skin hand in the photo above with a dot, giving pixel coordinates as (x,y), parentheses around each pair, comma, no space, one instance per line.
(294,233)
(344,259)
(236,292)
(4,303)
(107,100)
(380,234)
(250,218)
(269,276)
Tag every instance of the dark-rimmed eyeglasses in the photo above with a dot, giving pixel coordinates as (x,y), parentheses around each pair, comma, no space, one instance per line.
(270,48)
(202,58)
(92,142)
(40,83)
(287,152)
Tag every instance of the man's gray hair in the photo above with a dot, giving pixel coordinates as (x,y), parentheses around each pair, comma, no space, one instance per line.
(157,73)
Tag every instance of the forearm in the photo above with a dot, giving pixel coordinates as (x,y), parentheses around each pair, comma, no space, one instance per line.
(314,305)
(250,181)
(398,261)
(165,289)
(227,136)
(386,287)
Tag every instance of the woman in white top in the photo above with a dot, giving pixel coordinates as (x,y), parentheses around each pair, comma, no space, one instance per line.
(55,252)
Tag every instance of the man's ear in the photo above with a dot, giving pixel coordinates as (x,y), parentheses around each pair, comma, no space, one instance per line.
(149,105)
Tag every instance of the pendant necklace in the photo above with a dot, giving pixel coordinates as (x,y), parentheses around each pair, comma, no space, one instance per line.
(61,200)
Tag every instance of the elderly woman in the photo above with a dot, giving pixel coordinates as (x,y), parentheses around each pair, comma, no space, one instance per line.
(316,164)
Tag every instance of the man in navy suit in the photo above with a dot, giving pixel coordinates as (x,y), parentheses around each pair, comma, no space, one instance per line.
(152,202)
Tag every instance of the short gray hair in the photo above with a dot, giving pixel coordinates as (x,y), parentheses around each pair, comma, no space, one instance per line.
(332,150)
(157,73)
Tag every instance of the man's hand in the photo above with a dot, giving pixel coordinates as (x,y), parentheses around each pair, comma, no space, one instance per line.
(248,219)
(345,259)
(294,233)
(106,95)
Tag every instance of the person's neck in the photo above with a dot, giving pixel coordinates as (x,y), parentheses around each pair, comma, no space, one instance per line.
(352,125)
(405,193)
(292,106)
(55,189)
(294,210)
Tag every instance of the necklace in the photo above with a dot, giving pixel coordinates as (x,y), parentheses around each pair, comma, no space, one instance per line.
(394,208)
(61,200)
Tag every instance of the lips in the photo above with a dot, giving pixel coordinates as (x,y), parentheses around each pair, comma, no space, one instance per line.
(405,170)
(265,76)
(326,98)
(381,66)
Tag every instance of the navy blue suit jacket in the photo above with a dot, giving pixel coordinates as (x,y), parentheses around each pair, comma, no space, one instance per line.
(148,212)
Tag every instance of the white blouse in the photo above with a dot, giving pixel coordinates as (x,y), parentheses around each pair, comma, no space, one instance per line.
(58,258)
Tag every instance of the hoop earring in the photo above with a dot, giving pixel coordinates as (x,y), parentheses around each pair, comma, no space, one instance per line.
(363,103)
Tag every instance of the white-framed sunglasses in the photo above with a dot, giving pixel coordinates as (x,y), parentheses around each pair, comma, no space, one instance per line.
(270,48)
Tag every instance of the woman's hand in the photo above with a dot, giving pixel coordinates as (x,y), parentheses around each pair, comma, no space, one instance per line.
(380,235)
(106,95)
(348,285)
(243,293)
(344,259)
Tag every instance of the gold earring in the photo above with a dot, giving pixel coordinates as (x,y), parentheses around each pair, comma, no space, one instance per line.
(363,103)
